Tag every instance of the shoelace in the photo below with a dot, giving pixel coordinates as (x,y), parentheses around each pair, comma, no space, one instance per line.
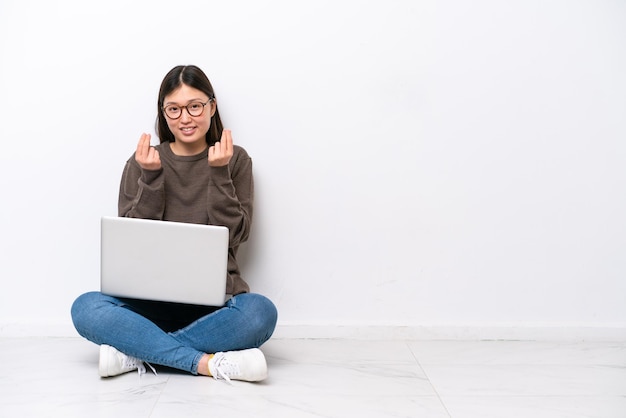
(223,368)
(132,362)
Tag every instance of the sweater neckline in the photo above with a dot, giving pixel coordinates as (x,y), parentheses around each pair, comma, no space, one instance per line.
(167,149)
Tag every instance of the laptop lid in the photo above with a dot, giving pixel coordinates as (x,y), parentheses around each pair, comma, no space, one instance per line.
(164,261)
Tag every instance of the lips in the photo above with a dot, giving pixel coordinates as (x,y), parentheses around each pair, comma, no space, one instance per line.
(188,130)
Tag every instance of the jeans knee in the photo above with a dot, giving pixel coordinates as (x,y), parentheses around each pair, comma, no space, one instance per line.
(84,311)
(267,312)
(79,309)
(262,316)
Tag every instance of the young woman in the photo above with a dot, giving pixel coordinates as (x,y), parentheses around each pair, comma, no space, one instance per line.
(194,175)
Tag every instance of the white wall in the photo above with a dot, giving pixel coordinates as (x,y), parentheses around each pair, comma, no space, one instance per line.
(418,163)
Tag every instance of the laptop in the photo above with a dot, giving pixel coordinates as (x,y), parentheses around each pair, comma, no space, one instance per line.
(164,261)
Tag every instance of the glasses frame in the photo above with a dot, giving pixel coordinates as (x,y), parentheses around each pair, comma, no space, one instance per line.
(185,107)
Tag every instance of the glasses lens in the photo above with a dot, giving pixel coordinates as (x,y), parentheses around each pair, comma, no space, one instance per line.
(195,108)
(172,111)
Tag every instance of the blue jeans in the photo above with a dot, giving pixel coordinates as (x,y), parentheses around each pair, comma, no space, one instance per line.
(170,334)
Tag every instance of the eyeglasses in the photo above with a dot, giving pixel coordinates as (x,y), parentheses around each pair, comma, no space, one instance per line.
(194,109)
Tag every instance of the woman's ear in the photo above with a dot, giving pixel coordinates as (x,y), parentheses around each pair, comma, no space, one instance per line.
(213,105)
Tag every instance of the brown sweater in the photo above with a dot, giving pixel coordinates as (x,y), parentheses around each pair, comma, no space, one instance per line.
(187,189)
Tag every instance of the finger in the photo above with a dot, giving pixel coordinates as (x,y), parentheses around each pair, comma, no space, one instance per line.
(145,140)
(153,155)
(143,146)
(217,150)
(227,140)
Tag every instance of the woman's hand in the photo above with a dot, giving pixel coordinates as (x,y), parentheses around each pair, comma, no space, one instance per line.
(221,153)
(147,156)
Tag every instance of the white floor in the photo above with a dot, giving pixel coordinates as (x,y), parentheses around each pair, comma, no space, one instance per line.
(57,377)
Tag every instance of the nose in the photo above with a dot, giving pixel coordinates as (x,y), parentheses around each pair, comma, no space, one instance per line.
(185,116)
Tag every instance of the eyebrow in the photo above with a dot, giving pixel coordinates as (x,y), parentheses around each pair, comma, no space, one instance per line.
(189,101)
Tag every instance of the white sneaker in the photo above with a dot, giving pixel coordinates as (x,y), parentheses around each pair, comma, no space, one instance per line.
(248,365)
(113,362)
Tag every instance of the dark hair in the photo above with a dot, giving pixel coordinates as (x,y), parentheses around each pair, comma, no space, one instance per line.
(191,76)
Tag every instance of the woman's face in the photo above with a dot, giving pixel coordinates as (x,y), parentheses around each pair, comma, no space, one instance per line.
(189,131)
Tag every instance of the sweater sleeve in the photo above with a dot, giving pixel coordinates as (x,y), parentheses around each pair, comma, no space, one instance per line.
(231,195)
(142,192)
